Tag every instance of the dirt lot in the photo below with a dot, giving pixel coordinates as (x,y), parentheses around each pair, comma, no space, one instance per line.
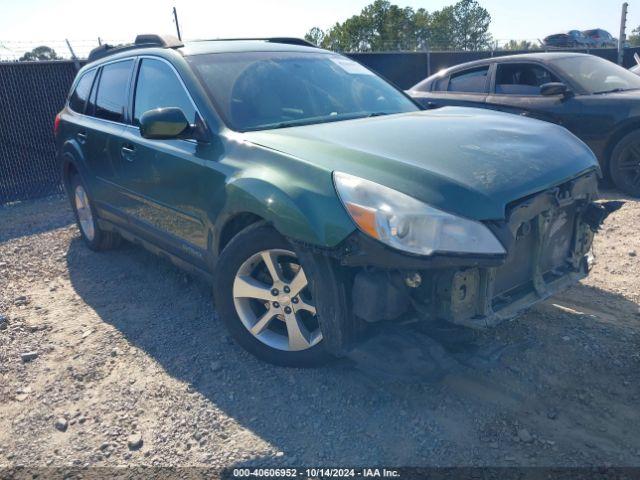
(118,359)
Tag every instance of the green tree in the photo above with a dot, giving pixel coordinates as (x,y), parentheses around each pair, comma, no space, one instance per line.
(40,53)
(634,38)
(471,26)
(441,29)
(383,26)
(315,36)
(519,45)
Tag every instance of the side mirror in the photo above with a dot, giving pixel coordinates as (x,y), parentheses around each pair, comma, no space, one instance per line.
(554,88)
(164,124)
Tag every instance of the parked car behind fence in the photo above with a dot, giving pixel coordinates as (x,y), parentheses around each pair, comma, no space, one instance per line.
(601,38)
(570,39)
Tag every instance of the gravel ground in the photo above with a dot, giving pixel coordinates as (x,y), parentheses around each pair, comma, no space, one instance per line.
(118,359)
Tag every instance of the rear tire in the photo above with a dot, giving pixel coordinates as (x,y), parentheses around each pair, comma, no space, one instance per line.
(93,236)
(624,165)
(265,316)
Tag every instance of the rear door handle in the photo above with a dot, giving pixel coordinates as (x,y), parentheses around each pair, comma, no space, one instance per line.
(82,137)
(128,152)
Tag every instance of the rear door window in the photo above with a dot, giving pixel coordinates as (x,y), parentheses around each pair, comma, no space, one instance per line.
(159,87)
(80,94)
(111,99)
(469,81)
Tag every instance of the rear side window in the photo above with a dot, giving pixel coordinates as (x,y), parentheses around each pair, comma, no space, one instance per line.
(159,87)
(111,99)
(469,81)
(79,97)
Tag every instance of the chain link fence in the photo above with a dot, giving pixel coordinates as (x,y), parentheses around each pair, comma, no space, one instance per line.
(31,93)
(15,50)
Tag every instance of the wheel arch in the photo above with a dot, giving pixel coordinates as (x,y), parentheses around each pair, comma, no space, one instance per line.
(621,132)
(71,161)
(310,217)
(233,226)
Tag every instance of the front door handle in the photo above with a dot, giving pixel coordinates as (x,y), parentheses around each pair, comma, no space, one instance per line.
(128,152)
(82,137)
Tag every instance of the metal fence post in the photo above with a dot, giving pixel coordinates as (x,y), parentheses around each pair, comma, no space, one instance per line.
(623,33)
(73,55)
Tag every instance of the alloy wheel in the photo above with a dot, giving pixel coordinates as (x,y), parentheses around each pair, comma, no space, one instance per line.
(84,212)
(629,166)
(273,301)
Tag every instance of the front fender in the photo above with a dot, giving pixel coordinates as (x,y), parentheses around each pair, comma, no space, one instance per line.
(302,212)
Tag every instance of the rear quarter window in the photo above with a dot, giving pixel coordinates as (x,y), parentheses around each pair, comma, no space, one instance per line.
(440,85)
(469,81)
(80,94)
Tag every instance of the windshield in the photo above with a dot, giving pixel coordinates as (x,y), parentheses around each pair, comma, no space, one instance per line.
(262,90)
(596,75)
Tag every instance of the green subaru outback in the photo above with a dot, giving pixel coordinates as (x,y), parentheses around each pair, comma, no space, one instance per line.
(316,197)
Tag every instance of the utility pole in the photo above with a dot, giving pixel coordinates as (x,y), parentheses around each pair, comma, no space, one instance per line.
(623,33)
(175,19)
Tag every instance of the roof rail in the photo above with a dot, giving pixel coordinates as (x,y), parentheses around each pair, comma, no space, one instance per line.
(141,41)
(285,40)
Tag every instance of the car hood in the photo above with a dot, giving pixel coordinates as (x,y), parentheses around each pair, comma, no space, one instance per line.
(471,162)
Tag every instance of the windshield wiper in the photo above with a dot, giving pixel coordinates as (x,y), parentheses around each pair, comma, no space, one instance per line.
(615,90)
(319,120)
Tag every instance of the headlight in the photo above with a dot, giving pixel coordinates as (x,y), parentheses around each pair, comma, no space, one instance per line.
(407,224)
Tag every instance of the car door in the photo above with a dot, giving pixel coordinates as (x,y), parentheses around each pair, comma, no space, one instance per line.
(468,87)
(103,126)
(169,185)
(80,124)
(516,89)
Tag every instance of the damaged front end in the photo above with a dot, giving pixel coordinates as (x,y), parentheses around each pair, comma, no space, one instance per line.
(547,238)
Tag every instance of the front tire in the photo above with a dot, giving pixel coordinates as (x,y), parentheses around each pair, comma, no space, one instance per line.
(624,166)
(94,237)
(265,295)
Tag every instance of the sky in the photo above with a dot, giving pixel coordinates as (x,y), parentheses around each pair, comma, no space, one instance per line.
(82,21)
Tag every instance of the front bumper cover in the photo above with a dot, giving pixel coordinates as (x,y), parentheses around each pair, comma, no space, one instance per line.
(548,237)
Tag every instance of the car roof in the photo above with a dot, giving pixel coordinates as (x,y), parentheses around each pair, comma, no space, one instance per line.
(541,57)
(202,47)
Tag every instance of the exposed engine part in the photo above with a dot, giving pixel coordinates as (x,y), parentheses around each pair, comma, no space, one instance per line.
(379,296)
(548,238)
(458,295)
(413,280)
